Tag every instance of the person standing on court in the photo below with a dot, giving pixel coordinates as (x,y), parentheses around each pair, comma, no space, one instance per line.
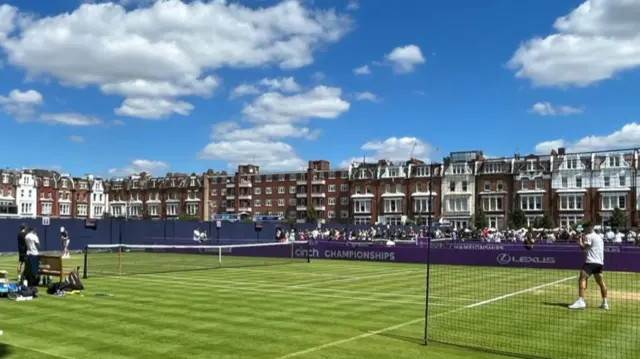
(64,238)
(22,250)
(593,246)
(33,243)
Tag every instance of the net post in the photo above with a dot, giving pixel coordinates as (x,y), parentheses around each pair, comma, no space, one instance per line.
(120,259)
(428,259)
(85,261)
(308,252)
(220,256)
(292,252)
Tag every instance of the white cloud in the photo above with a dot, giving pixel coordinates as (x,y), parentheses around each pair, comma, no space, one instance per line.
(243,90)
(21,105)
(273,107)
(231,131)
(404,59)
(70,119)
(318,76)
(139,165)
(366,96)
(548,109)
(78,139)
(362,70)
(165,50)
(268,155)
(353,5)
(594,42)
(284,84)
(153,108)
(393,148)
(627,137)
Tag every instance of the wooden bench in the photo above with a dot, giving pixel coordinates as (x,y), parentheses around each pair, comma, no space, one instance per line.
(51,266)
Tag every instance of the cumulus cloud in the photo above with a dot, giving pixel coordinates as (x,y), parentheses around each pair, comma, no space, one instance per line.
(392,148)
(594,42)
(404,59)
(70,119)
(548,109)
(232,131)
(21,105)
(139,165)
(627,137)
(243,90)
(167,49)
(284,84)
(362,70)
(274,155)
(366,96)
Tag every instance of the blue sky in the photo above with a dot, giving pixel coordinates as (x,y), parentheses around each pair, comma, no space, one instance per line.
(114,88)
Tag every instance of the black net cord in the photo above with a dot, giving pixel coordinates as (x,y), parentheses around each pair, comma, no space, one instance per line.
(85,271)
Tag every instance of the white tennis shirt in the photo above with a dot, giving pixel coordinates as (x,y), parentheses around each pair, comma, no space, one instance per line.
(595,251)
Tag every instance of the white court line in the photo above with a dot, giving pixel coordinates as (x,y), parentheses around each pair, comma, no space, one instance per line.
(401,325)
(386,274)
(34,350)
(151,278)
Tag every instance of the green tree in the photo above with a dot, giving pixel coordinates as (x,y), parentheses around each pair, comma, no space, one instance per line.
(312,216)
(618,219)
(481,220)
(185,217)
(518,219)
(145,213)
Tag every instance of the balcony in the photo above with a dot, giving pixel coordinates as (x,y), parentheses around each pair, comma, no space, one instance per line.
(231,185)
(301,182)
(318,195)
(231,197)
(246,184)
(319,207)
(230,209)
(318,181)
(301,195)
(245,196)
(244,209)
(301,207)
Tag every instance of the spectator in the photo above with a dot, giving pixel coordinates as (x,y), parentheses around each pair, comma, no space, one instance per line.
(64,238)
(22,250)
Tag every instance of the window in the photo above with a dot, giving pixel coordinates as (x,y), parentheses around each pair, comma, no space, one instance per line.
(293,201)
(524,185)
(332,175)
(281,178)
(362,220)
(45,182)
(487,186)
(422,205)
(256,203)
(531,203)
(345,175)
(565,182)
(362,206)
(281,190)
(452,186)
(571,203)
(398,188)
(153,209)
(257,191)
(332,188)
(357,189)
(393,172)
(422,171)
(344,214)
(344,201)
(499,186)
(332,201)
(531,165)
(267,202)
(292,189)
(257,179)
(458,169)
(267,190)
(21,193)
(331,214)
(134,211)
(464,186)
(65,209)
(607,181)
(457,205)
(610,202)
(46,208)
(268,179)
(538,183)
(281,202)
(492,203)
(223,192)
(172,210)
(614,161)
(571,163)
(367,189)
(570,221)
(623,181)
(578,182)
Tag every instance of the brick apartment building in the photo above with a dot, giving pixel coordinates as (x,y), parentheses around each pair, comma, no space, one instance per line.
(566,187)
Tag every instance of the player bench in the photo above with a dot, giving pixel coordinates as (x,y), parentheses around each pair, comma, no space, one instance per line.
(51,266)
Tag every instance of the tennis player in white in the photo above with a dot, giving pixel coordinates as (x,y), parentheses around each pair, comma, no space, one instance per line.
(593,245)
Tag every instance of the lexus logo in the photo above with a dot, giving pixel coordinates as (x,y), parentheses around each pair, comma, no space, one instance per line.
(504,258)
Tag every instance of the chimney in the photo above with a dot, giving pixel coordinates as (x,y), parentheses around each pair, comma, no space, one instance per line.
(561,151)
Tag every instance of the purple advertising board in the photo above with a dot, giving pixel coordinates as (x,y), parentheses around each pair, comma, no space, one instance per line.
(477,254)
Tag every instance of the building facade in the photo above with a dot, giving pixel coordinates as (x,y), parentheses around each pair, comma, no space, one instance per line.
(458,189)
(494,195)
(99,197)
(27,200)
(532,187)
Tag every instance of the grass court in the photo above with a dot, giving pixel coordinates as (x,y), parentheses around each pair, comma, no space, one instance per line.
(326,309)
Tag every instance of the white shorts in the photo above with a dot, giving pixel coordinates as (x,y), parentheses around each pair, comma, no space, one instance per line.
(65,243)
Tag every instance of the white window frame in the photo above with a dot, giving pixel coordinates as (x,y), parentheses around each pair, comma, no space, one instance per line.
(344,201)
(492,203)
(344,187)
(571,202)
(332,201)
(332,188)
(610,202)
(422,205)
(531,203)
(362,206)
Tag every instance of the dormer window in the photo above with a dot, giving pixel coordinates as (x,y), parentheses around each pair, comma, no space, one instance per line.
(65,183)
(531,165)
(393,172)
(572,163)
(422,171)
(458,169)
(614,161)
(173,182)
(45,182)
(135,184)
(5,178)
(192,183)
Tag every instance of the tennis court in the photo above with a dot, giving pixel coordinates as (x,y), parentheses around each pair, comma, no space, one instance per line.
(323,309)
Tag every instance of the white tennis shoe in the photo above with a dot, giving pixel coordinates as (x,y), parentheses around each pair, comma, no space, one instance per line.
(579,304)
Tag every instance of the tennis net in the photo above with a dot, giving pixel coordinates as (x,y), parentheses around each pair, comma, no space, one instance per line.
(131,259)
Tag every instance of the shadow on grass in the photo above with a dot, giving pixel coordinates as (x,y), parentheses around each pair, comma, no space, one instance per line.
(5,350)
(555,304)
